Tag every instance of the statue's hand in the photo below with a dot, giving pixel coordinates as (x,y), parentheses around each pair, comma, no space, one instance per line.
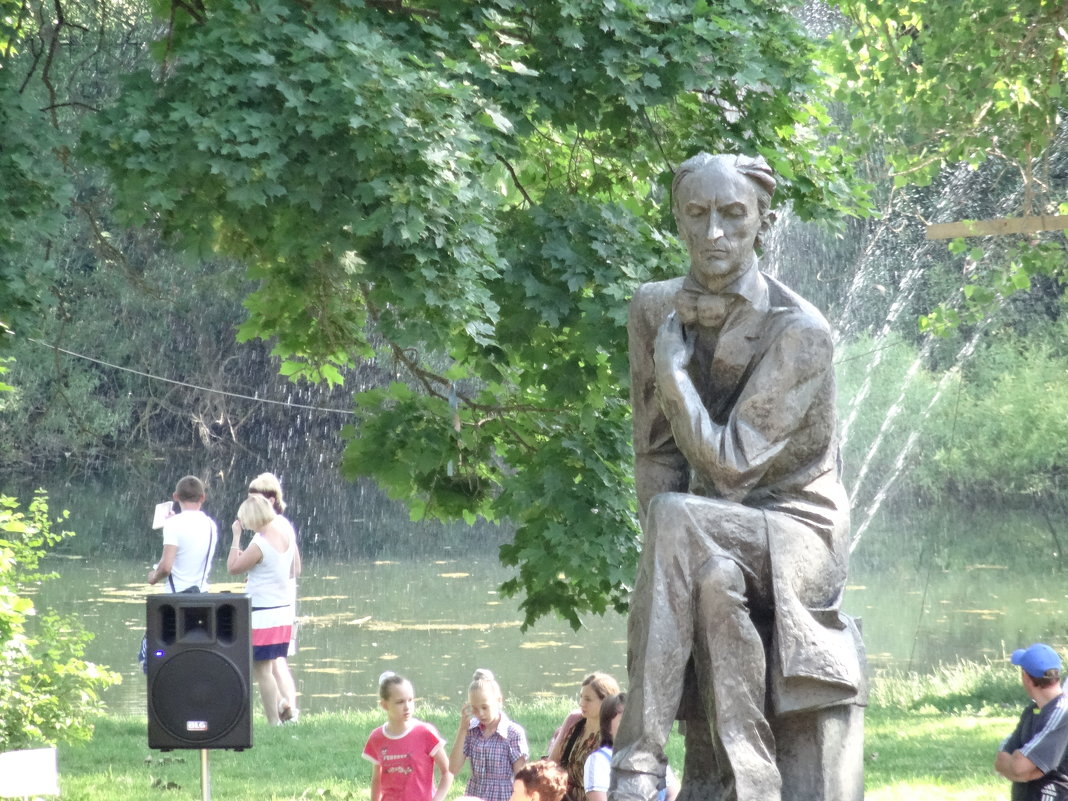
(672,349)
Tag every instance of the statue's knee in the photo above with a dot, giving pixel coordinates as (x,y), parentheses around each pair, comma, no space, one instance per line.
(667,515)
(666,504)
(721,578)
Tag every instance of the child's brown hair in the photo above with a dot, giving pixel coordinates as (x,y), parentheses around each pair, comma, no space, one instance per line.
(189,489)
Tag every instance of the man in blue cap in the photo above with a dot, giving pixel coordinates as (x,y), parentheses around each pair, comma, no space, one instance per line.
(1033,757)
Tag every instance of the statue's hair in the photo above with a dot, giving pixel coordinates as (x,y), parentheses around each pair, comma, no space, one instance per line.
(755,168)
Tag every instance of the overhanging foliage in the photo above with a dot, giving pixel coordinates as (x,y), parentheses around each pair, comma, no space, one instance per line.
(944,83)
(482,186)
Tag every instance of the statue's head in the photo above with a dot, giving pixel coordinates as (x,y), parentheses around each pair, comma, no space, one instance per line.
(722,204)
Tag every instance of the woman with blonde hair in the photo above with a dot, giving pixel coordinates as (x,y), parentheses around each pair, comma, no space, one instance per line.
(268,485)
(268,560)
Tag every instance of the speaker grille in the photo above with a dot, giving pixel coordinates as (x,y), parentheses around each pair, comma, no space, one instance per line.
(198,696)
(168,624)
(224,622)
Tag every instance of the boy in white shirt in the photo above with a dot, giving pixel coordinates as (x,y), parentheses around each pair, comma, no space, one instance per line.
(189,540)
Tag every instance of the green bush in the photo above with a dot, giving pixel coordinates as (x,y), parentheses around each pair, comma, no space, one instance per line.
(997,427)
(47,690)
(964,687)
(1009,433)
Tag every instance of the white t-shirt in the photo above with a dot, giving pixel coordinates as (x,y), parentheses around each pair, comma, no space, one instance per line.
(195,535)
(598,771)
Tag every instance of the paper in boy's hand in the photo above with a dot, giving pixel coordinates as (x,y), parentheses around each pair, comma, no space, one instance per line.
(162,512)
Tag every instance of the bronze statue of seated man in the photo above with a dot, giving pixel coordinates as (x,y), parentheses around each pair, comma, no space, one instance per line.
(744,515)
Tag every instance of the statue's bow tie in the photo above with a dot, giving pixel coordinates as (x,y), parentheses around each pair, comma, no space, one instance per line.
(703,308)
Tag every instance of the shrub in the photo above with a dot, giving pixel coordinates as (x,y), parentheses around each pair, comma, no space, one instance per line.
(964,687)
(47,689)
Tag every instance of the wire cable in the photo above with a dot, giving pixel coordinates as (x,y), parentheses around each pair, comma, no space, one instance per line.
(188,385)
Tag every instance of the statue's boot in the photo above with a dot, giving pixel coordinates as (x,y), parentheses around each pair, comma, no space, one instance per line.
(628,785)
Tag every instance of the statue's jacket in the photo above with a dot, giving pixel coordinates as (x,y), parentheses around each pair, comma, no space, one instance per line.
(766,439)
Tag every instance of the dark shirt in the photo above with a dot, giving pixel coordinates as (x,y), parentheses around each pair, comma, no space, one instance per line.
(1042,736)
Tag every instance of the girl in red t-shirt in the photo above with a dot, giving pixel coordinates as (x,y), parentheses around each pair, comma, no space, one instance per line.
(405,750)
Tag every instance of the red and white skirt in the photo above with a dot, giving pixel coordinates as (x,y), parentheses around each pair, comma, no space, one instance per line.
(272,628)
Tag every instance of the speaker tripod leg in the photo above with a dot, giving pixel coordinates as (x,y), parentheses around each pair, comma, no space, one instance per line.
(205,776)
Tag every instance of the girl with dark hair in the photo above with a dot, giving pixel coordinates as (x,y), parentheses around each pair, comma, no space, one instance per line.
(598,768)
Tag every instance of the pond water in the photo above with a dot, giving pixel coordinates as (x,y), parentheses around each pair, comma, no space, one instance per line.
(437,621)
(380,592)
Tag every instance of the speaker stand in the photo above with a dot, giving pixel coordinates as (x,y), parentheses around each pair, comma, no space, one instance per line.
(205,776)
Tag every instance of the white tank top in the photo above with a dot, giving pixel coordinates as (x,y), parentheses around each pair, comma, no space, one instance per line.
(268,580)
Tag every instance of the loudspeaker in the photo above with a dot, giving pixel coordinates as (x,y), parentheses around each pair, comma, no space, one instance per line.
(199,670)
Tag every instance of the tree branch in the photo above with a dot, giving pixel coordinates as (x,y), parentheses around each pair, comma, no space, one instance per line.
(193,8)
(515,178)
(71,103)
(659,145)
(430,380)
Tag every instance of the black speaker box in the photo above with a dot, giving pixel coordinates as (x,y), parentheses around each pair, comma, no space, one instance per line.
(199,671)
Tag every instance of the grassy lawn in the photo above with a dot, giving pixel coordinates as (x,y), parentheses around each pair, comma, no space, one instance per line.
(920,753)
(934,755)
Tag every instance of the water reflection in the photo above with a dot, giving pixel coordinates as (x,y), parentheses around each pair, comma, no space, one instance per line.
(438,621)
(975,612)
(931,586)
(431,621)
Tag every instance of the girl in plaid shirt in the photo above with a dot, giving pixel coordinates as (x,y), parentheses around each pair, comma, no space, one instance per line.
(495,744)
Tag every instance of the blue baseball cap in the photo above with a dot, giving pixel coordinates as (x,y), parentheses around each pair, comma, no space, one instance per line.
(1036,659)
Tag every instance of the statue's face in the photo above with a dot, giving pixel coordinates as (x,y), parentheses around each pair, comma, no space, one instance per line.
(719,220)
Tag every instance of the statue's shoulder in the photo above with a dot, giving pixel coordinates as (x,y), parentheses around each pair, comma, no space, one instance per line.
(798,327)
(650,305)
(800,312)
(656,296)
